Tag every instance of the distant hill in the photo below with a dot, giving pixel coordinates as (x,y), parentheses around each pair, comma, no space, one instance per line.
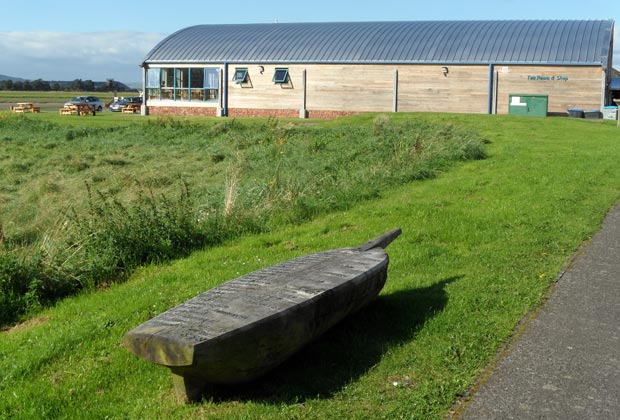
(15,79)
(135,85)
(121,86)
(69,84)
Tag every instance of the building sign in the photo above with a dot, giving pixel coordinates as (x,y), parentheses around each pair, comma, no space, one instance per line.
(543,78)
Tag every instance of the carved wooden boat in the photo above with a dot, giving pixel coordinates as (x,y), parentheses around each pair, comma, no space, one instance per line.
(241,329)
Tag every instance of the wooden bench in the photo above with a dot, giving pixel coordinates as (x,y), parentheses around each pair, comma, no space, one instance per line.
(23,107)
(67,111)
(131,109)
(239,330)
(77,109)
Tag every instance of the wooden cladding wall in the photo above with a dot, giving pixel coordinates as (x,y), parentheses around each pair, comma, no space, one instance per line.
(366,88)
(260,92)
(343,89)
(567,87)
(427,88)
(350,87)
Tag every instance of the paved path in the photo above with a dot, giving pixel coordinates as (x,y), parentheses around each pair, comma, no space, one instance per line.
(565,364)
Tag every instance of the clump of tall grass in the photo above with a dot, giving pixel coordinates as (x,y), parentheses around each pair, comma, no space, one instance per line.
(103,245)
(118,237)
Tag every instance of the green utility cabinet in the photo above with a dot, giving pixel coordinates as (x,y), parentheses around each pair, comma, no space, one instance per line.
(526,104)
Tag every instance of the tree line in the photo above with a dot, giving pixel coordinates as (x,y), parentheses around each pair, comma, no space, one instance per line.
(76,85)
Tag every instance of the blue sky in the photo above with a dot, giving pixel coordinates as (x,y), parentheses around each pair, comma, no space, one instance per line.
(99,40)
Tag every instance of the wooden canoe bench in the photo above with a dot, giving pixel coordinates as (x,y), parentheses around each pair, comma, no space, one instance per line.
(243,328)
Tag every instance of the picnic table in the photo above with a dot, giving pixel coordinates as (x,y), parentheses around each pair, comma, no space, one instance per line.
(77,109)
(132,108)
(22,107)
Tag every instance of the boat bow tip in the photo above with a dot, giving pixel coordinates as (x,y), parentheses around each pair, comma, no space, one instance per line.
(380,241)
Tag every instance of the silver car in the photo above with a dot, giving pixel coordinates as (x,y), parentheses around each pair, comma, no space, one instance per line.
(122,103)
(93,101)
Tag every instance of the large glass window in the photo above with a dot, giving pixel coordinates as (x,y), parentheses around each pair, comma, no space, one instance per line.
(183,84)
(211,83)
(197,79)
(167,83)
(153,83)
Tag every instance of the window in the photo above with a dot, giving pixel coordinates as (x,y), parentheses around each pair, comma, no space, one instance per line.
(281,75)
(153,83)
(241,75)
(167,83)
(212,78)
(152,78)
(211,83)
(204,83)
(183,83)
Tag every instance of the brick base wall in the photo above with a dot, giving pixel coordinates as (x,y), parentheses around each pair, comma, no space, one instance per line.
(256,112)
(328,115)
(245,112)
(184,111)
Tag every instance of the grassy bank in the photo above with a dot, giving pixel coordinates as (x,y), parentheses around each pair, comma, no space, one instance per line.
(480,245)
(85,205)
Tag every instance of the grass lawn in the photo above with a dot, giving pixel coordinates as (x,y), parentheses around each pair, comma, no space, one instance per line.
(481,244)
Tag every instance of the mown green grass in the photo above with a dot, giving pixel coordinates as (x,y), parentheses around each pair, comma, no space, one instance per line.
(480,245)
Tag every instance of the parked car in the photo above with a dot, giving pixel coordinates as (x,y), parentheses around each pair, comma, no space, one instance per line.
(123,102)
(93,101)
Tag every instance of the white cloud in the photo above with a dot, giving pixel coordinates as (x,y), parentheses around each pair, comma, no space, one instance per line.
(67,56)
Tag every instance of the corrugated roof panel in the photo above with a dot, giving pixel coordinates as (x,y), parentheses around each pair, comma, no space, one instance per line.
(421,37)
(511,41)
(438,43)
(536,42)
(325,50)
(549,41)
(487,42)
(564,48)
(465,42)
(402,47)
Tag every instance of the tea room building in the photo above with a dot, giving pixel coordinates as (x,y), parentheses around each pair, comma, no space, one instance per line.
(323,70)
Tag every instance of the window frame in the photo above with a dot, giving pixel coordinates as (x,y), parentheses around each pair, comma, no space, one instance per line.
(183,84)
(281,80)
(244,72)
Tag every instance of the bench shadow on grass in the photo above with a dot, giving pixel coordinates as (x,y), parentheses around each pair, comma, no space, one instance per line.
(346,352)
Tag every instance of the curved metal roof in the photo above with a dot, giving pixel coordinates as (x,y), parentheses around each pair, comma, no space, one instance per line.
(570,42)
